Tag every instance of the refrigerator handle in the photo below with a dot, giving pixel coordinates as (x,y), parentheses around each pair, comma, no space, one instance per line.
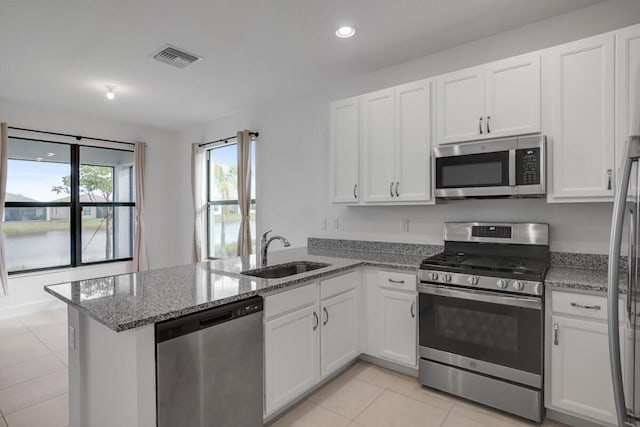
(631,153)
(631,260)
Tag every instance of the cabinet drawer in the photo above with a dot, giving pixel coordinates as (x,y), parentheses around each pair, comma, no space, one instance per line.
(396,280)
(589,306)
(340,284)
(285,302)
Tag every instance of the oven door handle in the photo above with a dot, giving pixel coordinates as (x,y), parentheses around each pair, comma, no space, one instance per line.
(474,295)
(512,167)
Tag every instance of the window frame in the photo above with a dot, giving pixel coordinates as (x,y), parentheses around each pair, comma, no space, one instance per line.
(211,204)
(75,210)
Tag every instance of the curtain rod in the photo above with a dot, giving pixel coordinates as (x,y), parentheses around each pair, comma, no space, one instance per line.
(77,137)
(253,134)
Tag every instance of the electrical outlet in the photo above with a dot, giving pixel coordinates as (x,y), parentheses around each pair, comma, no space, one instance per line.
(405,225)
(323,224)
(335,225)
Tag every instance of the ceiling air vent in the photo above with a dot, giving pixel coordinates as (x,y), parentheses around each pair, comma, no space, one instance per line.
(176,57)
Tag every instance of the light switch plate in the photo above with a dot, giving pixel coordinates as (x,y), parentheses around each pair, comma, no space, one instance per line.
(405,225)
(335,225)
(323,224)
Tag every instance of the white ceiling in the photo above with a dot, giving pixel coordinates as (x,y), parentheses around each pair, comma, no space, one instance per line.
(60,54)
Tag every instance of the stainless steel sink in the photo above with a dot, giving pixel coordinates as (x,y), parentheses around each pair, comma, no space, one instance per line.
(285,270)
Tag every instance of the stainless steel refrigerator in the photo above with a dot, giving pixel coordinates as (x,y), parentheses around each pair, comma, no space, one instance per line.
(625,365)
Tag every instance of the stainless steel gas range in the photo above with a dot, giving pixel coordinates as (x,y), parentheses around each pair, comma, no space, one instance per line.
(481,315)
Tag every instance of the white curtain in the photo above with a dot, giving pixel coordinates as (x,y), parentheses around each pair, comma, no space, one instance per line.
(243,140)
(4,159)
(140,262)
(199,201)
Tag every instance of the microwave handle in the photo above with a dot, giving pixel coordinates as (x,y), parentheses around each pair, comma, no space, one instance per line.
(512,167)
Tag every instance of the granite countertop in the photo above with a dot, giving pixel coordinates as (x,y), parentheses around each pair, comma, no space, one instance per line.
(580,279)
(132,300)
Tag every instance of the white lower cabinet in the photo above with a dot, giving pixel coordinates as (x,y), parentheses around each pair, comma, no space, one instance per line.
(339,332)
(292,357)
(580,377)
(581,380)
(397,326)
(309,333)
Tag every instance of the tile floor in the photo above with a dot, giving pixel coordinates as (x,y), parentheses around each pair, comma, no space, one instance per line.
(369,396)
(34,389)
(33,370)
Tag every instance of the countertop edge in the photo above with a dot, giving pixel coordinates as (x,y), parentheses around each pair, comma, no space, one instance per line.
(271,290)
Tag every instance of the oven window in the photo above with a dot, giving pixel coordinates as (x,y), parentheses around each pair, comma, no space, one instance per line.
(473,170)
(495,333)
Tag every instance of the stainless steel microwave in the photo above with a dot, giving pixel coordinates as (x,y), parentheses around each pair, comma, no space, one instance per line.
(507,167)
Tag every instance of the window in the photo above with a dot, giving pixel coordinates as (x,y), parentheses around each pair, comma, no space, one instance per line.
(67,205)
(223,212)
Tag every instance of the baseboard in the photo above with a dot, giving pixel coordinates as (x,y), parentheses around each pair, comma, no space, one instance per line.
(570,419)
(28,308)
(413,372)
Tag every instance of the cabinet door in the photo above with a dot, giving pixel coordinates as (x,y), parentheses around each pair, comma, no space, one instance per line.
(378,145)
(512,103)
(582,134)
(397,327)
(580,371)
(344,151)
(413,142)
(291,359)
(339,331)
(460,106)
(627,93)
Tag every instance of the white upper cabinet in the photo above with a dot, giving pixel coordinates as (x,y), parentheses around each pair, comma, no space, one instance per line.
(494,100)
(581,134)
(460,106)
(396,144)
(512,103)
(344,151)
(378,145)
(413,142)
(627,92)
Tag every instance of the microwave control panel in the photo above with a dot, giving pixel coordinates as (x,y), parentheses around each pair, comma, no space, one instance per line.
(528,166)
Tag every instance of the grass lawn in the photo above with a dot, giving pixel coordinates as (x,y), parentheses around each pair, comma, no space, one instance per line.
(21,228)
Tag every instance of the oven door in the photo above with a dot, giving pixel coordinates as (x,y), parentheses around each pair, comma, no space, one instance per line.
(499,335)
(476,170)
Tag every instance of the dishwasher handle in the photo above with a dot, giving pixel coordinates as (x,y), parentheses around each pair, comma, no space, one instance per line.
(174,328)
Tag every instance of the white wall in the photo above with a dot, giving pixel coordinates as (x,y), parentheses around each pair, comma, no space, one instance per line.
(292,151)
(25,291)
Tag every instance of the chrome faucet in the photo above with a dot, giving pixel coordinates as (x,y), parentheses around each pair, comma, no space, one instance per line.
(264,245)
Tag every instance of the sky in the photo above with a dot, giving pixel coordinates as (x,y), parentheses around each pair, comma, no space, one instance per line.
(35,179)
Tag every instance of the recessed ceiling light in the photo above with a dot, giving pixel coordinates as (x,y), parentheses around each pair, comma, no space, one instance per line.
(111,94)
(345,32)
(51,154)
(39,159)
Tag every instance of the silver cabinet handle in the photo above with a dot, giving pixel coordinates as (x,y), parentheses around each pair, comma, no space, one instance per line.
(413,309)
(588,307)
(355,187)
(480,125)
(488,128)
(555,334)
(391,189)
(609,174)
(315,315)
(397,185)
(326,313)
(395,281)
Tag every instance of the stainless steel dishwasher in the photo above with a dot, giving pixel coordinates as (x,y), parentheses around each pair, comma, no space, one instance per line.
(209,367)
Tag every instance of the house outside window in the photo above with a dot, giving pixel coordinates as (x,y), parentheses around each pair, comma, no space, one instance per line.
(67,205)
(223,211)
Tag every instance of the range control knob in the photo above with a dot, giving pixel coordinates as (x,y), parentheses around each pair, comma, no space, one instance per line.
(446,277)
(518,285)
(502,284)
(472,280)
(433,276)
